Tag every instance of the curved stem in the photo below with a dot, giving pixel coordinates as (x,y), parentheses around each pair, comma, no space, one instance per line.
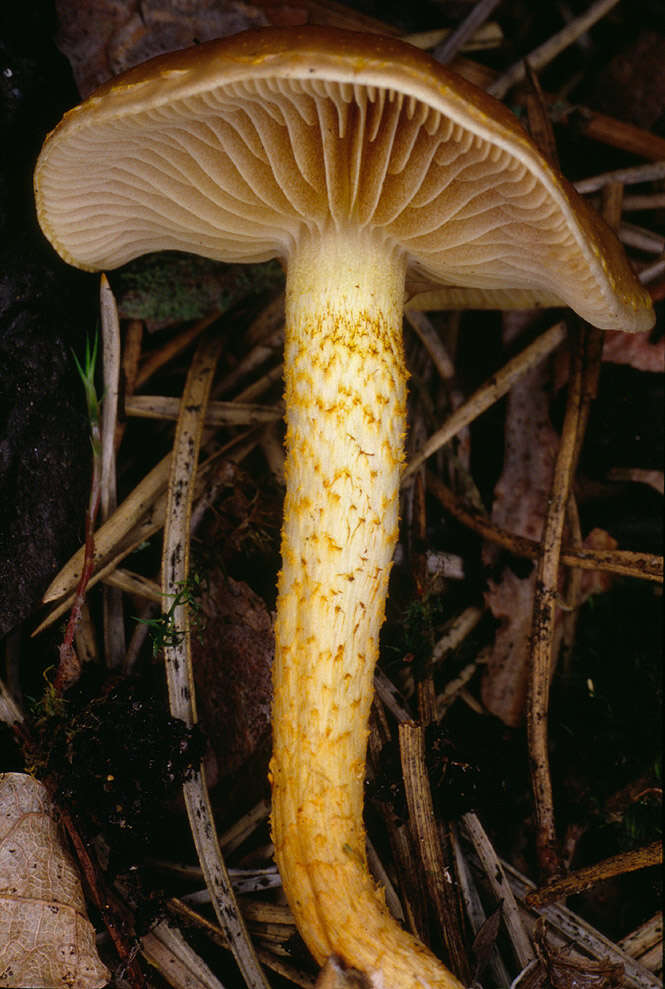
(345,398)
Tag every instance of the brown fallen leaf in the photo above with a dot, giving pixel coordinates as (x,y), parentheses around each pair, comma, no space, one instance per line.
(103,37)
(232,657)
(46,939)
(635,349)
(520,501)
(566,971)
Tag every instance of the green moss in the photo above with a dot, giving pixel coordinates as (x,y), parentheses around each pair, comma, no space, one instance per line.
(170,286)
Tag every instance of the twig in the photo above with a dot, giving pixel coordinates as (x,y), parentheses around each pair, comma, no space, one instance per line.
(545,53)
(644,939)
(615,133)
(431,341)
(456,39)
(643,240)
(183,910)
(422,817)
(174,958)
(581,879)
(544,611)
(500,887)
(650,274)
(113,619)
(261,385)
(177,654)
(243,827)
(639,202)
(176,345)
(646,566)
(110,325)
(540,123)
(489,35)
(253,359)
(127,515)
(566,929)
(217,414)
(475,911)
(135,520)
(639,475)
(134,583)
(489,393)
(10,712)
(116,916)
(626,176)
(456,630)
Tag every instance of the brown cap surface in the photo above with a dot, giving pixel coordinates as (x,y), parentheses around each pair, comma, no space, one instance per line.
(238,147)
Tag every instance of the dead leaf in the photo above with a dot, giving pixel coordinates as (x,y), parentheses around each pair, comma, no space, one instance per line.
(596,581)
(46,939)
(568,971)
(232,659)
(520,502)
(635,349)
(485,941)
(104,37)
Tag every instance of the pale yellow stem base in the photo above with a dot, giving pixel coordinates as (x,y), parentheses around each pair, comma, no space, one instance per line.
(345,399)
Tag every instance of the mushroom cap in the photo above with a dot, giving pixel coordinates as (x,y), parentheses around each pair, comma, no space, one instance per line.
(238,148)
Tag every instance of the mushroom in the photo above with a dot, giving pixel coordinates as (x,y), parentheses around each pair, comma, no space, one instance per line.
(355,159)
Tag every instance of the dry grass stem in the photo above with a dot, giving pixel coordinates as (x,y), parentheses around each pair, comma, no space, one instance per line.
(168,951)
(625,176)
(647,938)
(616,133)
(431,341)
(456,631)
(475,910)
(637,202)
(653,478)
(234,836)
(544,612)
(540,124)
(456,686)
(218,413)
(487,36)
(545,53)
(10,712)
(261,385)
(255,914)
(501,888)
(110,324)
(585,878)
(440,884)
(643,240)
(446,50)
(255,358)
(645,566)
(113,616)
(177,653)
(652,272)
(127,529)
(135,584)
(174,346)
(567,930)
(380,874)
(389,695)
(129,514)
(131,354)
(489,393)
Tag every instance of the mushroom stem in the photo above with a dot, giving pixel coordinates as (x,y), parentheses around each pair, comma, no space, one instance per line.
(345,402)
